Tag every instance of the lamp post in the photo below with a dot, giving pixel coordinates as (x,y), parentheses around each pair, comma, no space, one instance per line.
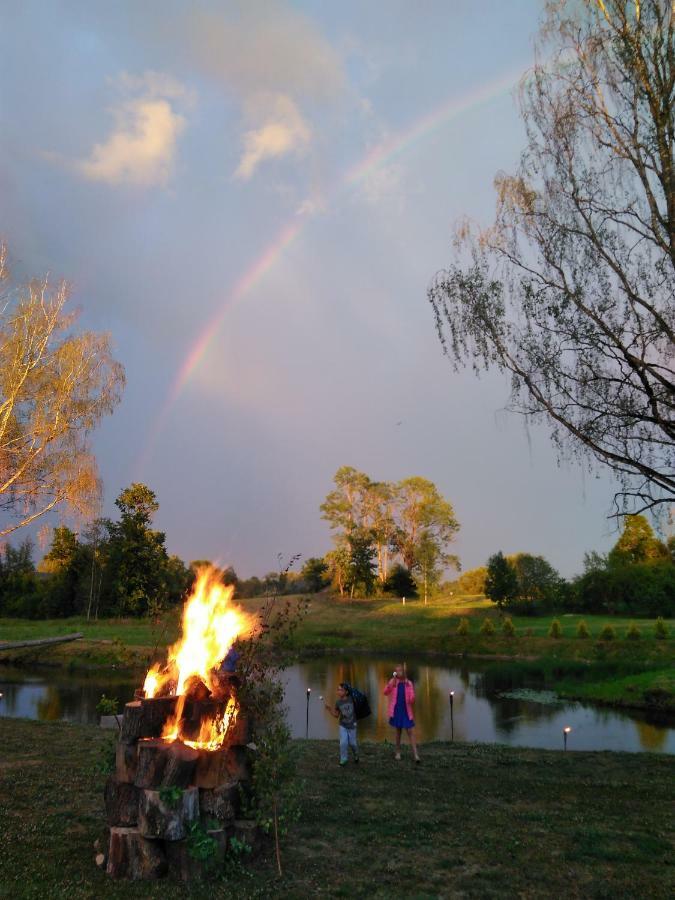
(452,718)
(566,731)
(309,691)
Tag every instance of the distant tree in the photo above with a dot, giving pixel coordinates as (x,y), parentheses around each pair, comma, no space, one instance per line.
(539,585)
(637,543)
(19,590)
(422,509)
(314,573)
(400,582)
(430,560)
(571,291)
(338,561)
(62,551)
(361,575)
(344,507)
(501,581)
(472,581)
(67,564)
(55,386)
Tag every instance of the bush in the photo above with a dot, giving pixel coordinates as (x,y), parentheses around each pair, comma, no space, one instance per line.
(633,633)
(463,627)
(555,631)
(582,629)
(487,627)
(508,628)
(608,633)
(638,589)
(660,629)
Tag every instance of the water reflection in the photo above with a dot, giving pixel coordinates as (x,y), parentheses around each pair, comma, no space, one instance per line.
(480,713)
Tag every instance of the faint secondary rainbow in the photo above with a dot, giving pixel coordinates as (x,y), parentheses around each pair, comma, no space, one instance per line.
(375,159)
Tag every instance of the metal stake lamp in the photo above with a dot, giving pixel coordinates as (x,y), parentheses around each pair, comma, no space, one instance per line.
(309,691)
(452,717)
(566,731)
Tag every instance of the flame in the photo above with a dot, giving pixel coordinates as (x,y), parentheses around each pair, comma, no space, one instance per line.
(211,624)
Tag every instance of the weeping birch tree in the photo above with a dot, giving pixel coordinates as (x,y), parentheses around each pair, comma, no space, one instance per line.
(55,386)
(572,289)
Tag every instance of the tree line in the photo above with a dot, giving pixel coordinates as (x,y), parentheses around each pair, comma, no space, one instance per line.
(637,576)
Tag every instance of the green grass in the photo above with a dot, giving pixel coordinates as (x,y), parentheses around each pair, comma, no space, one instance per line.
(472,821)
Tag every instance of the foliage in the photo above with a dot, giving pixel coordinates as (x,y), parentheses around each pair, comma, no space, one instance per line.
(400,583)
(508,628)
(55,385)
(555,631)
(660,629)
(582,630)
(472,581)
(607,633)
(487,627)
(107,706)
(171,796)
(539,585)
(360,573)
(201,845)
(633,633)
(637,544)
(314,573)
(501,581)
(571,290)
(646,588)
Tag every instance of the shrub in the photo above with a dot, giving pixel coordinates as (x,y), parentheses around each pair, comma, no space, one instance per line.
(487,627)
(633,633)
(508,628)
(555,631)
(660,629)
(607,633)
(463,627)
(582,629)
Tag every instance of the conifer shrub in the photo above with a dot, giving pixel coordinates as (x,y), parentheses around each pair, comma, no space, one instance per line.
(508,628)
(463,627)
(608,633)
(660,629)
(633,633)
(487,628)
(555,631)
(582,630)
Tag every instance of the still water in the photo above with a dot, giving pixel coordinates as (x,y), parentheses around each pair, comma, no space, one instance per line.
(481,712)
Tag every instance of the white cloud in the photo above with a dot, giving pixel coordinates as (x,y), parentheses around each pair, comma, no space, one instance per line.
(281,130)
(141,148)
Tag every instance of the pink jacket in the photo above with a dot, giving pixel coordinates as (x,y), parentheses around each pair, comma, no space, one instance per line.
(391,691)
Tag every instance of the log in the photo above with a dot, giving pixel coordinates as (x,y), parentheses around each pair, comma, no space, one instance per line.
(131,855)
(121,802)
(197,711)
(180,766)
(101,845)
(126,762)
(221,802)
(152,759)
(157,819)
(41,642)
(146,718)
(240,732)
(217,767)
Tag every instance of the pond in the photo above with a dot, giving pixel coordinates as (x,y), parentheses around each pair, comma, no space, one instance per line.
(485,706)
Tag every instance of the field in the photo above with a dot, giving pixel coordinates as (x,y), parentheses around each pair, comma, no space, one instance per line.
(608,669)
(471,821)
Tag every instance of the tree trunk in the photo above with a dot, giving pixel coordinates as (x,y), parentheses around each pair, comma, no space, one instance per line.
(146,718)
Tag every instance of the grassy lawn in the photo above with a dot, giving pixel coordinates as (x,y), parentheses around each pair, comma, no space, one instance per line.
(387,626)
(472,821)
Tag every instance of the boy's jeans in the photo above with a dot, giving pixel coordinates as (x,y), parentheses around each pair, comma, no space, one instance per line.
(347,740)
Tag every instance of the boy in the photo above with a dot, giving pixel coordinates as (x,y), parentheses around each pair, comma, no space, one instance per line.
(345,713)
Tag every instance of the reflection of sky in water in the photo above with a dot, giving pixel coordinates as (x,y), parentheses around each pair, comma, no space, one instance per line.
(479,715)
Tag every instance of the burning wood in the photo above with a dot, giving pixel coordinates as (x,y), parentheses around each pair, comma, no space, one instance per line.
(184,733)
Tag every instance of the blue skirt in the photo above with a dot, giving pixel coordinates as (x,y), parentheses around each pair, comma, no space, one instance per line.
(401,719)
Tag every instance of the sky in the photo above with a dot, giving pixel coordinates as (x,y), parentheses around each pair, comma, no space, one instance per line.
(252,197)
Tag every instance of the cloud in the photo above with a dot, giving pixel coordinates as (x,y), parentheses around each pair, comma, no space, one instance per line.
(281,131)
(141,148)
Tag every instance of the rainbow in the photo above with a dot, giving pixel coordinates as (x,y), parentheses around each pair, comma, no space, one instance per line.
(375,159)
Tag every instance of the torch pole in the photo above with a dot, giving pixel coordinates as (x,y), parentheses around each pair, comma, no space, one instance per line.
(566,731)
(452,717)
(309,691)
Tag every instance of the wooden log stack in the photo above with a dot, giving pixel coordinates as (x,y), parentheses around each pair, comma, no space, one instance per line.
(166,801)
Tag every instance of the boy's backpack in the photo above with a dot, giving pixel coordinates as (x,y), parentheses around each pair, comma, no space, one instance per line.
(361,705)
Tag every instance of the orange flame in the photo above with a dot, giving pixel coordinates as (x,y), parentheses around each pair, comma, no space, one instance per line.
(211,624)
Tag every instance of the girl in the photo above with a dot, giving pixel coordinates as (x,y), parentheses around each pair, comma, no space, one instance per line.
(401,695)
